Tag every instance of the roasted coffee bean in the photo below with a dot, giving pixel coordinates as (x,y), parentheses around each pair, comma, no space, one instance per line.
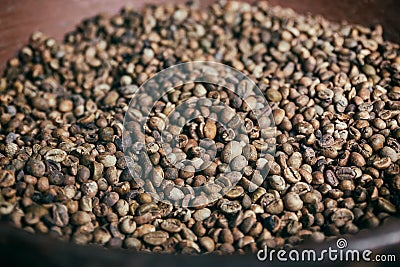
(127,225)
(396,183)
(272,203)
(235,192)
(292,201)
(389,152)
(80,218)
(210,129)
(83,174)
(35,167)
(230,207)
(155,238)
(231,151)
(133,243)
(277,182)
(238,163)
(341,216)
(207,243)
(56,155)
(7,178)
(345,173)
(171,225)
(331,178)
(386,206)
(272,223)
(357,159)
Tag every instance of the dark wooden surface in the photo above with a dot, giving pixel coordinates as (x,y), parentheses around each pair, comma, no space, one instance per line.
(19,18)
(18,248)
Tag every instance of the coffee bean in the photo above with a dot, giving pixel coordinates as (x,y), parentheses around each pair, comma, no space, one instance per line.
(386,206)
(238,163)
(341,216)
(396,182)
(101,236)
(171,225)
(80,218)
(293,227)
(210,129)
(277,182)
(272,203)
(127,225)
(292,201)
(377,141)
(83,174)
(331,178)
(357,159)
(106,134)
(56,155)
(7,178)
(110,199)
(272,223)
(231,151)
(155,238)
(90,188)
(133,243)
(207,243)
(300,188)
(304,128)
(389,152)
(108,160)
(202,214)
(226,236)
(35,167)
(235,192)
(382,163)
(273,95)
(247,224)
(345,173)
(230,207)
(66,105)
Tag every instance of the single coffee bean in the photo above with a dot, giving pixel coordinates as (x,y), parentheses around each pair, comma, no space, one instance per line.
(389,152)
(171,225)
(230,207)
(231,151)
(277,182)
(341,216)
(207,243)
(292,201)
(83,174)
(35,167)
(155,238)
(238,163)
(80,218)
(357,159)
(127,225)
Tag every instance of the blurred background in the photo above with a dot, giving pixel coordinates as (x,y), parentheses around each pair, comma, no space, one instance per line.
(18,19)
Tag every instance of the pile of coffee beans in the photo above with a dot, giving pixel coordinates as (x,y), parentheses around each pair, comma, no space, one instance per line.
(334,91)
